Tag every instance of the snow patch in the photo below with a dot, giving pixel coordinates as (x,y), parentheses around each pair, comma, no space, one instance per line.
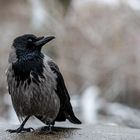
(90,104)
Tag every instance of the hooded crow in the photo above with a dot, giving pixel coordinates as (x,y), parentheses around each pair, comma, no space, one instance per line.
(36,86)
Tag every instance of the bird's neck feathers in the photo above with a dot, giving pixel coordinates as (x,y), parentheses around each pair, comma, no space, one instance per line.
(27,63)
(27,55)
(25,59)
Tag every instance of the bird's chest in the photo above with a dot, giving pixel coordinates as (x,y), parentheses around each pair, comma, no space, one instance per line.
(35,95)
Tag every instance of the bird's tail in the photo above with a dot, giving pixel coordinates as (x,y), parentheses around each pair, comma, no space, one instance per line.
(70,115)
(73,119)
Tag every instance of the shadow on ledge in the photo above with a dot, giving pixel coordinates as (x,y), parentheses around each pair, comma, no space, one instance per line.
(58,133)
(85,132)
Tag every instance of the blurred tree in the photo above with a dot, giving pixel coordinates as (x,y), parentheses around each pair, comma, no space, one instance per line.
(65,3)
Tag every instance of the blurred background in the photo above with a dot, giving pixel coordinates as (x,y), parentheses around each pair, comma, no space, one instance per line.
(97,48)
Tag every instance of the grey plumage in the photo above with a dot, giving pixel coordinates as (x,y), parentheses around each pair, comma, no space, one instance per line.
(35,83)
(35,99)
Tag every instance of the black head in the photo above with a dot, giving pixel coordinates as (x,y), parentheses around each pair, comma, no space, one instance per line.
(30,42)
(26,57)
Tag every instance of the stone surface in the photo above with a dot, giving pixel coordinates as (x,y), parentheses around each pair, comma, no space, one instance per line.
(96,132)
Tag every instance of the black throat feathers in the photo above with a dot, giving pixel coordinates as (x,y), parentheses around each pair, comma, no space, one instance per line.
(26,65)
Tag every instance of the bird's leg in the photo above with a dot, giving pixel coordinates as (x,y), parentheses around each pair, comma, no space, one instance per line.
(49,128)
(21,128)
(52,124)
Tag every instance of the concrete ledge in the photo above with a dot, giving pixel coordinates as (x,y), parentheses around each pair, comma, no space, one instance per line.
(97,132)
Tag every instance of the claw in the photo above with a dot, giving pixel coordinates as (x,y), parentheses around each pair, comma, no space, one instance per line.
(47,129)
(30,129)
(11,131)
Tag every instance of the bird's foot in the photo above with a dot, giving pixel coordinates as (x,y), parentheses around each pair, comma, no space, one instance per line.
(48,130)
(18,130)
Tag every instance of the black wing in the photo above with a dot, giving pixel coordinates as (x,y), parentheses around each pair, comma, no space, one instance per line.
(66,110)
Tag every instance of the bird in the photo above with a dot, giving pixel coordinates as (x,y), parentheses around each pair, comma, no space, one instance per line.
(36,85)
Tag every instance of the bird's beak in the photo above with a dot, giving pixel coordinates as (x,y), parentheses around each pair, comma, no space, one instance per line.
(43,40)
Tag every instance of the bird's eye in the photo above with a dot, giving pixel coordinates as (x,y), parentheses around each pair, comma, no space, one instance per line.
(30,40)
